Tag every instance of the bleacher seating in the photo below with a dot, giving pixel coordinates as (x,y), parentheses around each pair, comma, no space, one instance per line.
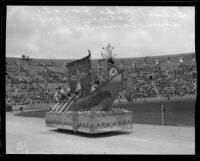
(167,80)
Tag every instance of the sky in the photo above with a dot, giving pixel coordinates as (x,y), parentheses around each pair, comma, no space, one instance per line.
(67,32)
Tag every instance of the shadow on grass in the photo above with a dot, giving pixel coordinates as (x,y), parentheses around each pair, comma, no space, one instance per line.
(95,135)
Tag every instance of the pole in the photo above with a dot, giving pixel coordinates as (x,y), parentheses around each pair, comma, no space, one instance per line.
(162,115)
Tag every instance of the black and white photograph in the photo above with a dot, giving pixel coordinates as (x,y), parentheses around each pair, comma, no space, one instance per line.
(100,79)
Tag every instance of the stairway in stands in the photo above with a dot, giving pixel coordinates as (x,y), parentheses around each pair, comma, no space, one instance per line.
(155,88)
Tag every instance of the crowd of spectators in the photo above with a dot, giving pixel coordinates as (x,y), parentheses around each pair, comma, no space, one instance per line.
(31,95)
(179,81)
(42,77)
(150,82)
(138,82)
(52,76)
(15,97)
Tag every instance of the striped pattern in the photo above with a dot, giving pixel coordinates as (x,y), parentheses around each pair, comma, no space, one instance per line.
(63,106)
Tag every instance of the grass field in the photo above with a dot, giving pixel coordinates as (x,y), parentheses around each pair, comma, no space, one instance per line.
(32,107)
(180,112)
(37,113)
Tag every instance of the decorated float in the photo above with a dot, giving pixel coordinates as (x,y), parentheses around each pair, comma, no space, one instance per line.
(87,110)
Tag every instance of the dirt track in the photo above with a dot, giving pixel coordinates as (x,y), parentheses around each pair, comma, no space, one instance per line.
(25,135)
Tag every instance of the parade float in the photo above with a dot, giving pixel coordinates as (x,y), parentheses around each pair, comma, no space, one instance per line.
(90,111)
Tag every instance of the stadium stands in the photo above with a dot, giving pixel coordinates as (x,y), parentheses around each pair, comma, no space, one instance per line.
(139,80)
